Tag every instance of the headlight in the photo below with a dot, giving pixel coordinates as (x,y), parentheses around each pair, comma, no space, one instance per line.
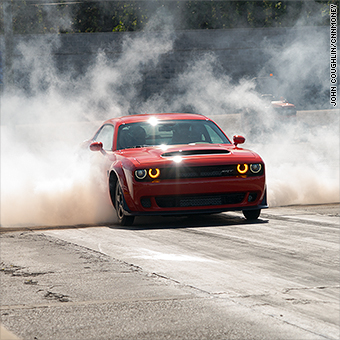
(255,168)
(242,168)
(154,173)
(140,174)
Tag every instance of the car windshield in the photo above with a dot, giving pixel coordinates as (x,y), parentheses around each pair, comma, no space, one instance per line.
(160,132)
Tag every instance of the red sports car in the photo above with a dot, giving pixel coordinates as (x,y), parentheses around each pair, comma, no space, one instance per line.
(178,163)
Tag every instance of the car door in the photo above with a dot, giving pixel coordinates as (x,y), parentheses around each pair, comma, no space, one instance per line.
(106,136)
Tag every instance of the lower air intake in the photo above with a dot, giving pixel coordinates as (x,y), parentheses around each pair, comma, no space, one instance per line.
(199,200)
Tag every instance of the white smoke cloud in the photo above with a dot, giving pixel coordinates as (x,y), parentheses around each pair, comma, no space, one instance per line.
(43,179)
(303,164)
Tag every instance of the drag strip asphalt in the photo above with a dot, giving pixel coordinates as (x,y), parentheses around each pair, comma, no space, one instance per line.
(204,277)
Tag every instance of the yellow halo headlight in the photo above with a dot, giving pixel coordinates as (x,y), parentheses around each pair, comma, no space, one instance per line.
(242,168)
(154,173)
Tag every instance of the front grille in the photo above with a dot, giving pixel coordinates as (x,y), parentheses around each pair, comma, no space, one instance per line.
(199,200)
(184,172)
(198,172)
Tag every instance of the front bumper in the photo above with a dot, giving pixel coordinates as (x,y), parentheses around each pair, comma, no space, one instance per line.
(200,195)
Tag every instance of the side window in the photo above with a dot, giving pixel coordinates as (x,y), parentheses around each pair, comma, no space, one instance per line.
(105,136)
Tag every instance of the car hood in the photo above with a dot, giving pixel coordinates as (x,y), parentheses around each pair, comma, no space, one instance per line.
(191,155)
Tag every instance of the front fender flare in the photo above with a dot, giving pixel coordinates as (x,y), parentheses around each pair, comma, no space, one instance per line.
(117,174)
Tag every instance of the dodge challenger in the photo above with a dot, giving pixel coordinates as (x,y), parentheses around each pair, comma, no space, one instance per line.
(177,163)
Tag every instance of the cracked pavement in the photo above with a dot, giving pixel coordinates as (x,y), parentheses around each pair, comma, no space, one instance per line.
(210,277)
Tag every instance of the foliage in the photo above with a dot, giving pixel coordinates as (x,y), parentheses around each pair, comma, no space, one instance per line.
(107,17)
(72,16)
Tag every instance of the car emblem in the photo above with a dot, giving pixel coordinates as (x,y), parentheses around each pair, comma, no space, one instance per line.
(226,172)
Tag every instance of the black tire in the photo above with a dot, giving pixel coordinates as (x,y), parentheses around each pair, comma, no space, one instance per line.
(251,214)
(123,219)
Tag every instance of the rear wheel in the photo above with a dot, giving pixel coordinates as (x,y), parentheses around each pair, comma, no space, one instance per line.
(123,219)
(251,214)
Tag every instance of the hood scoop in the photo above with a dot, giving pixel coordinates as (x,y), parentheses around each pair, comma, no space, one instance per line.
(195,152)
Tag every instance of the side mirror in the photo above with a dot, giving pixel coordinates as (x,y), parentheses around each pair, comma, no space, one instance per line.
(238,140)
(96,146)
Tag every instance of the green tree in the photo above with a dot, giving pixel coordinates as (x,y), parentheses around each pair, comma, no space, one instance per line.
(110,16)
(68,16)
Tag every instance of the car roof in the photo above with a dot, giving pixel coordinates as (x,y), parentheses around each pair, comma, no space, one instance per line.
(134,118)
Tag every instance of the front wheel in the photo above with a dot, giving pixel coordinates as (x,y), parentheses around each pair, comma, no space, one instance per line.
(123,219)
(251,214)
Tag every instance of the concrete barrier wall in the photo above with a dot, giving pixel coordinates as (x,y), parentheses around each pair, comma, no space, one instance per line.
(240,52)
